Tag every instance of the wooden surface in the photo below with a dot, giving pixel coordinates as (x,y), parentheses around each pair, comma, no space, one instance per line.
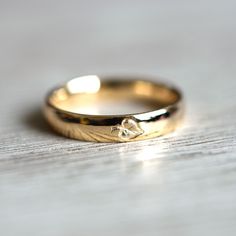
(181,184)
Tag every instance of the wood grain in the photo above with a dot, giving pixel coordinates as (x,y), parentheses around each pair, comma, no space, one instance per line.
(179,184)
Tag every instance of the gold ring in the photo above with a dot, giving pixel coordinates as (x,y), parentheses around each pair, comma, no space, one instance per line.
(65,109)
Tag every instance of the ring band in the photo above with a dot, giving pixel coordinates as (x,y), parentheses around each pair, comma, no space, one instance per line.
(62,109)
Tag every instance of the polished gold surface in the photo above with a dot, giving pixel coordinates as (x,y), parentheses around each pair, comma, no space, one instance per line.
(71,109)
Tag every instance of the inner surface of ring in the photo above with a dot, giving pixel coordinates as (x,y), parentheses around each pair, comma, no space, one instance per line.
(88,95)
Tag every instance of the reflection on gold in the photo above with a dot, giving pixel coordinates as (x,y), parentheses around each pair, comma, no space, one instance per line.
(59,95)
(86,110)
(84,84)
(143,88)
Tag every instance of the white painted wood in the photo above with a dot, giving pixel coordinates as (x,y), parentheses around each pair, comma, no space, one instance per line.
(181,184)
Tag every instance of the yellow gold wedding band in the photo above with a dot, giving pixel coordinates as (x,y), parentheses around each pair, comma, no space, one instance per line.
(62,109)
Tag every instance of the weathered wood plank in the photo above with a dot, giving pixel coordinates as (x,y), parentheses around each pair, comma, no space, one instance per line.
(180,184)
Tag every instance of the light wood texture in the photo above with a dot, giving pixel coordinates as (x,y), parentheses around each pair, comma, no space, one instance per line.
(180,184)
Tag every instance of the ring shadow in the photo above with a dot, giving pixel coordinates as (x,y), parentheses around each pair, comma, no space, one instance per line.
(36,120)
